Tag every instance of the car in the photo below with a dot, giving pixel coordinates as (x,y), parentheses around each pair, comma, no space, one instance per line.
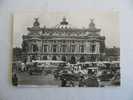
(105,76)
(91,82)
(116,79)
(35,71)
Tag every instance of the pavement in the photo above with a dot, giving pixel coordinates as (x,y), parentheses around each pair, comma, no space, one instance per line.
(48,80)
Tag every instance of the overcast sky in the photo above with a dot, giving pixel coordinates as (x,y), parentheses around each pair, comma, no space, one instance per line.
(107,21)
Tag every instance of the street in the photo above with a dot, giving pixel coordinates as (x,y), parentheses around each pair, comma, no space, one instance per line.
(25,79)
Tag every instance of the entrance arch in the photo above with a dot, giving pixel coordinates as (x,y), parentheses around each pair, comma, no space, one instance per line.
(54,58)
(73,60)
(93,58)
(82,59)
(63,58)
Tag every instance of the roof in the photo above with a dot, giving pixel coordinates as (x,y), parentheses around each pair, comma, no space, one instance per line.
(64,24)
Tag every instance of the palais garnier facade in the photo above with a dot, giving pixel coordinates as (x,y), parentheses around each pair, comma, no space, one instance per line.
(63,43)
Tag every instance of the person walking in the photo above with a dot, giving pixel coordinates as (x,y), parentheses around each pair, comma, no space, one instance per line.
(14,80)
(81,81)
(63,83)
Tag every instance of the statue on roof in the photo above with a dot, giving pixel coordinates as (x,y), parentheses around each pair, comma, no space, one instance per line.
(35,28)
(92,27)
(92,24)
(36,23)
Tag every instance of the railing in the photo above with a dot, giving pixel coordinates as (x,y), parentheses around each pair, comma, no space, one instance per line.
(60,53)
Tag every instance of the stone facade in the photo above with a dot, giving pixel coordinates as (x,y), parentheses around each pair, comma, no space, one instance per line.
(63,43)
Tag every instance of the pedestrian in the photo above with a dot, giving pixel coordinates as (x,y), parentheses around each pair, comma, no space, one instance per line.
(15,80)
(63,82)
(81,81)
(72,83)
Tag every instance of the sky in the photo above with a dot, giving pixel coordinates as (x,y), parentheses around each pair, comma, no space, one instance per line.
(107,21)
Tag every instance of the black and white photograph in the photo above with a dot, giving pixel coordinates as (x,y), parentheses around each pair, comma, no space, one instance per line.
(66,49)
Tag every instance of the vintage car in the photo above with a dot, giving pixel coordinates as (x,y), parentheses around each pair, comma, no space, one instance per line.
(116,79)
(35,71)
(105,76)
(91,82)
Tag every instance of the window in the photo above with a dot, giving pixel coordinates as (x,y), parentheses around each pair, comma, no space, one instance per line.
(72,48)
(93,47)
(45,48)
(60,48)
(34,48)
(63,48)
(82,48)
(54,48)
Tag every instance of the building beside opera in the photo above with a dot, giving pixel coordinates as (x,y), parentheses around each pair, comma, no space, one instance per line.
(63,43)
